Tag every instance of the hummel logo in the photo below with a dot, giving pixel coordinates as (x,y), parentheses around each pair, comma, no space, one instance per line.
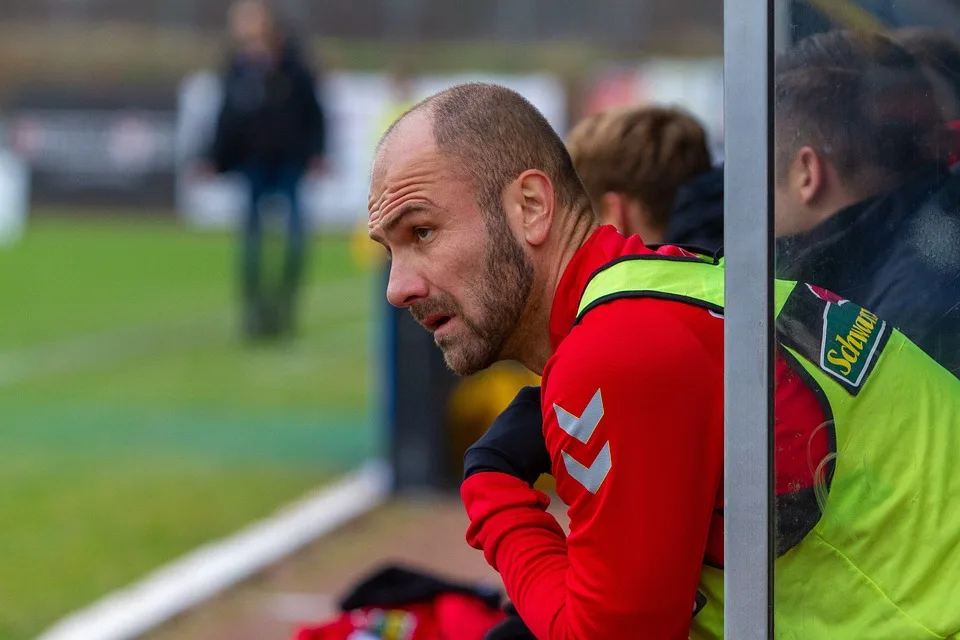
(593,476)
(582,429)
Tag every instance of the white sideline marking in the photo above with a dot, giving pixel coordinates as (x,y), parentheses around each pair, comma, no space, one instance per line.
(214,567)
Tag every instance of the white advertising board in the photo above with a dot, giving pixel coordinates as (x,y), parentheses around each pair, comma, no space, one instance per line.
(14,194)
(695,85)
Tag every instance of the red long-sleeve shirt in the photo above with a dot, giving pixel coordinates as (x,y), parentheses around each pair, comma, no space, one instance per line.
(632,402)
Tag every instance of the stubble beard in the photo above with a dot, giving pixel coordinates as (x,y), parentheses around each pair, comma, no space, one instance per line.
(502,294)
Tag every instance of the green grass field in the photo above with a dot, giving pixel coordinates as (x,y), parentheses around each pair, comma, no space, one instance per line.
(134,422)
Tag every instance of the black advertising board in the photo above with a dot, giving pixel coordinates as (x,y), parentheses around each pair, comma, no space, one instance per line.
(105,146)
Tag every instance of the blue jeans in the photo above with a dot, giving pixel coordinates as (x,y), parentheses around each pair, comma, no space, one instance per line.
(272,180)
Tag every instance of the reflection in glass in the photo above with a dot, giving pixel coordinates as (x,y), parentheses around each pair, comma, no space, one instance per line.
(867,211)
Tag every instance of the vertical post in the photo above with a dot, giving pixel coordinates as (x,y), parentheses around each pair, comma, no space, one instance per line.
(783,24)
(748,513)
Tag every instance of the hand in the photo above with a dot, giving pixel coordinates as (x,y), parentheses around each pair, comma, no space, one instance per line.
(514,443)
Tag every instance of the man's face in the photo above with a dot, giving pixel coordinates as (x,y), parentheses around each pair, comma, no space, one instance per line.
(798,192)
(250,27)
(788,210)
(458,268)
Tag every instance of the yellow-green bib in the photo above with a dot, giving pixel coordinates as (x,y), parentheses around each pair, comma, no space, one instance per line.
(882,562)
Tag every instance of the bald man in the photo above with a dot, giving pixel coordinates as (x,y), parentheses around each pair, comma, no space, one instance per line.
(492,240)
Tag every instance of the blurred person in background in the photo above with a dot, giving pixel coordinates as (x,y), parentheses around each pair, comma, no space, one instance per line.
(271,129)
(477,401)
(697,216)
(940,55)
(865,205)
(632,160)
(400,97)
(495,249)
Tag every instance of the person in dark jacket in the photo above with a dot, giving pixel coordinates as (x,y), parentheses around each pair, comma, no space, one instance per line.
(697,216)
(897,253)
(270,129)
(865,205)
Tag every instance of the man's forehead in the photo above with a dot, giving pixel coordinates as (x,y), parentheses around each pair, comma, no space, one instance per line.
(402,164)
(412,136)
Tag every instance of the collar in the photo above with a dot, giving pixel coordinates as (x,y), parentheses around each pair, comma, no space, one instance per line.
(602,246)
(858,231)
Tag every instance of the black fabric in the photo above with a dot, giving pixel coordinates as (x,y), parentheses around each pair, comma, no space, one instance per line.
(697,216)
(897,255)
(798,513)
(270,114)
(514,443)
(699,602)
(511,628)
(397,586)
(641,293)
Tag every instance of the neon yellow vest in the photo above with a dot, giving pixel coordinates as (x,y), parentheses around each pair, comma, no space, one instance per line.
(881,561)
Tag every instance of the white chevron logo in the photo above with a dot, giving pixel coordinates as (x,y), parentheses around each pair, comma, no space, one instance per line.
(582,427)
(593,476)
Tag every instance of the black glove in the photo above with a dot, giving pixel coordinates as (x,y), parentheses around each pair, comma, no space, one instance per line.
(510,628)
(514,442)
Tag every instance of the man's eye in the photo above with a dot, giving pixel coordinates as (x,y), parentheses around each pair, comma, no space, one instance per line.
(423,233)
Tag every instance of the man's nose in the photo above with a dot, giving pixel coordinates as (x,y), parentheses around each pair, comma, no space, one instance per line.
(405,285)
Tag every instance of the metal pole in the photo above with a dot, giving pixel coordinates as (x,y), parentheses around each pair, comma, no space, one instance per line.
(783,21)
(748,417)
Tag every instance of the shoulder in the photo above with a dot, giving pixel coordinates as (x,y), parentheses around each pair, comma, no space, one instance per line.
(626,340)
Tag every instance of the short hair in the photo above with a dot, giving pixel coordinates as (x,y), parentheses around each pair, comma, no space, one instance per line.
(645,152)
(494,134)
(860,100)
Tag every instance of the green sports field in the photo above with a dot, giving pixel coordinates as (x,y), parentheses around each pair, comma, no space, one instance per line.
(134,422)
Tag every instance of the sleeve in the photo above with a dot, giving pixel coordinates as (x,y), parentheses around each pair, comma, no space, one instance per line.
(802,444)
(633,421)
(801,436)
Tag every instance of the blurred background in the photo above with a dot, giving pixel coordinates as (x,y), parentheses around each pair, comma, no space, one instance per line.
(140,415)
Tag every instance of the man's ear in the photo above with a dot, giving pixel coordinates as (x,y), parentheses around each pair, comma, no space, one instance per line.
(533,198)
(809,174)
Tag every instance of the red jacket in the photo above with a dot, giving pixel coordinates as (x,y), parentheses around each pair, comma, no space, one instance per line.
(451,616)
(404,603)
(632,402)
